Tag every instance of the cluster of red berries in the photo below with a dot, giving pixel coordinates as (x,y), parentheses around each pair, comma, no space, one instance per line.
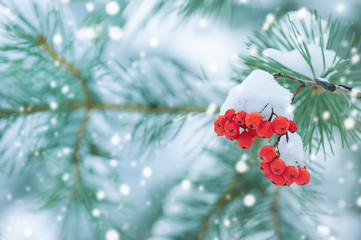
(253,126)
(275,169)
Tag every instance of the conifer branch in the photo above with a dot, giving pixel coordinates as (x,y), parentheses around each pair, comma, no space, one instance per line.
(274,213)
(104,106)
(75,157)
(227,197)
(69,67)
(323,84)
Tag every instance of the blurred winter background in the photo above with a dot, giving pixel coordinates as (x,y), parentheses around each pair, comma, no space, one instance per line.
(202,42)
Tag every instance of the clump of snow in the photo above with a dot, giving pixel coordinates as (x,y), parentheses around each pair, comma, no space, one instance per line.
(295,61)
(303,17)
(291,152)
(259,92)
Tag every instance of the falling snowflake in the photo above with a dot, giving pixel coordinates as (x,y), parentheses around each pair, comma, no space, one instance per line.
(112,8)
(249,200)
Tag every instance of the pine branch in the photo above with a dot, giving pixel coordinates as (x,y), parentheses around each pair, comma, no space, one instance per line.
(319,83)
(274,213)
(75,157)
(105,106)
(69,67)
(227,196)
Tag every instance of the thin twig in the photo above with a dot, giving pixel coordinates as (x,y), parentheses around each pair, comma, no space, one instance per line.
(317,82)
(226,197)
(75,157)
(89,105)
(104,106)
(274,214)
(69,67)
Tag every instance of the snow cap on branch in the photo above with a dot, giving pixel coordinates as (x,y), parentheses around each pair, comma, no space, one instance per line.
(295,61)
(291,151)
(259,92)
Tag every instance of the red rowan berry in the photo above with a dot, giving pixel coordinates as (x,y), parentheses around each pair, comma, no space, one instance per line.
(265,130)
(231,128)
(280,125)
(218,131)
(277,179)
(278,166)
(220,121)
(267,153)
(293,127)
(291,173)
(229,115)
(254,120)
(240,118)
(265,167)
(253,133)
(245,140)
(303,176)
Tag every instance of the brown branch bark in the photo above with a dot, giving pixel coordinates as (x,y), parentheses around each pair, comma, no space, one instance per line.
(104,106)
(226,197)
(320,83)
(75,157)
(274,214)
(69,67)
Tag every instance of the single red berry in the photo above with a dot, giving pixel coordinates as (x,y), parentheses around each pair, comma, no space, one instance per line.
(240,118)
(280,125)
(253,133)
(293,127)
(254,120)
(278,166)
(231,128)
(265,130)
(265,167)
(220,121)
(218,131)
(245,140)
(291,173)
(231,137)
(278,180)
(267,153)
(229,115)
(303,176)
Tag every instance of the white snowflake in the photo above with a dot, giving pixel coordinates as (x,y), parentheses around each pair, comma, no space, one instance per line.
(124,189)
(186,184)
(112,235)
(249,200)
(112,8)
(115,33)
(147,172)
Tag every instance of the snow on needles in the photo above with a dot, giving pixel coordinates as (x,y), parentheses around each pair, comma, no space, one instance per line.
(304,22)
(292,151)
(259,92)
(295,61)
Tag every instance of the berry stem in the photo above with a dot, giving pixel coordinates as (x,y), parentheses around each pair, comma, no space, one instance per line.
(278,140)
(264,108)
(294,95)
(272,113)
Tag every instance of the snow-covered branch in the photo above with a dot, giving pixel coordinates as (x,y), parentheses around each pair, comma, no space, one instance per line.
(322,83)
